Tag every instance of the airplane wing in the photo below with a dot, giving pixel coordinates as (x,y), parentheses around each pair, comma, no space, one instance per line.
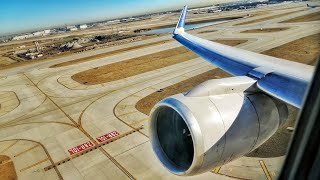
(282,79)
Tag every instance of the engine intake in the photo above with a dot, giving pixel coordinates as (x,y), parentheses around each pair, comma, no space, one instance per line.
(194,134)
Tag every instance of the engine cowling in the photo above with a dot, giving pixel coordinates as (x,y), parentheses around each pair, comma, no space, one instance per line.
(213,124)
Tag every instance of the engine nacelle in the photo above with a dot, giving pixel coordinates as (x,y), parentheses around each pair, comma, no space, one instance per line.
(194,132)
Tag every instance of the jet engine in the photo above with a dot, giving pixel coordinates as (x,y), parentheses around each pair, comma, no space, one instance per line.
(214,123)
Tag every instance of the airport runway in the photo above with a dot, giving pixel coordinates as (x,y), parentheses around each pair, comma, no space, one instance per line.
(53,127)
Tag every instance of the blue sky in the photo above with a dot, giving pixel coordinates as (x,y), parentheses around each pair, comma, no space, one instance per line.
(27,15)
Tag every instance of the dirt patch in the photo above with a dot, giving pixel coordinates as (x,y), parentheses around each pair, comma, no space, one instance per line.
(305,50)
(230,42)
(7,170)
(265,30)
(95,57)
(267,18)
(135,66)
(305,18)
(4,158)
(207,31)
(6,60)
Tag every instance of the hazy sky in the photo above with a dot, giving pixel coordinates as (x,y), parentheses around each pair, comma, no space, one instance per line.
(26,15)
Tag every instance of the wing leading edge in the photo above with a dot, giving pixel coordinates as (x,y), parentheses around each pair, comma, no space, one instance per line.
(283,79)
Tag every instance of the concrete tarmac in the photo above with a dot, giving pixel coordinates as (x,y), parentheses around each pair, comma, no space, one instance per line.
(53,127)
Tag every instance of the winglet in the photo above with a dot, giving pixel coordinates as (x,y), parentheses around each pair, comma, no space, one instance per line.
(180,26)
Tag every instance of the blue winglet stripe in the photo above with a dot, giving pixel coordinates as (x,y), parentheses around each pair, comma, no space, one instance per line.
(182,19)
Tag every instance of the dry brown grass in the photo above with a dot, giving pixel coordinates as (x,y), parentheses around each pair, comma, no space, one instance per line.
(95,57)
(305,18)
(265,30)
(6,61)
(207,31)
(131,67)
(304,50)
(7,170)
(135,66)
(230,42)
(268,18)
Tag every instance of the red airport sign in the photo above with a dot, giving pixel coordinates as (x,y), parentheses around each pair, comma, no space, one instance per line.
(89,144)
(107,136)
(80,148)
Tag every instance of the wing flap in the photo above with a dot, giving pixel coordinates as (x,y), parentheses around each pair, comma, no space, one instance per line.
(289,90)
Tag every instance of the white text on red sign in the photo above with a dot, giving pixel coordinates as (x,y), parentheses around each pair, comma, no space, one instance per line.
(107,136)
(80,148)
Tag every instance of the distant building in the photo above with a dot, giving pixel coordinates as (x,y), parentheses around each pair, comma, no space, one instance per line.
(124,20)
(69,27)
(30,35)
(83,26)
(41,33)
(47,31)
(31,55)
(72,28)
(38,33)
(214,10)
(19,37)
(113,22)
